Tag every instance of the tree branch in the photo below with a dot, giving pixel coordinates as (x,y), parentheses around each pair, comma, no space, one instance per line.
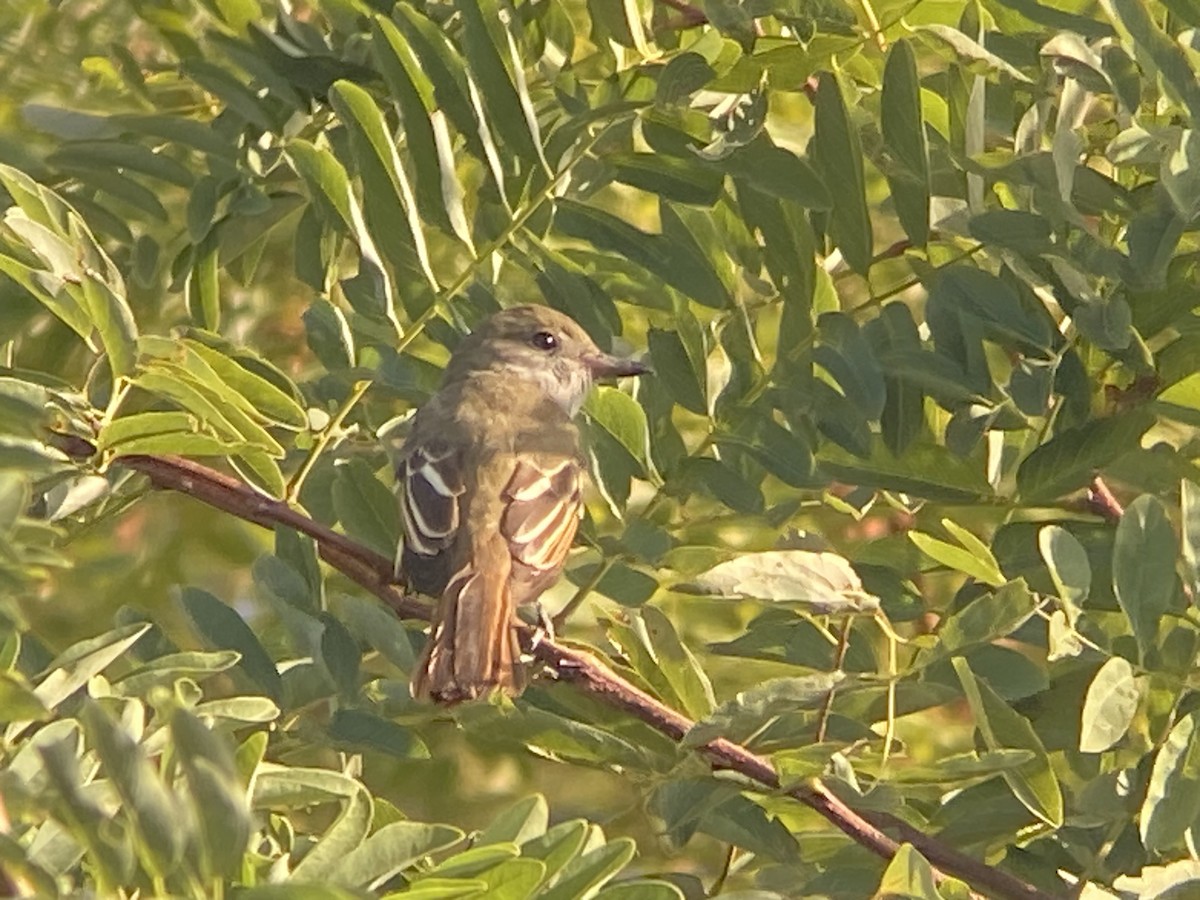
(374,573)
(1103,502)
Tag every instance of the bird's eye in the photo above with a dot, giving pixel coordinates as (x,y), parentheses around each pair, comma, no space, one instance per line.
(544,340)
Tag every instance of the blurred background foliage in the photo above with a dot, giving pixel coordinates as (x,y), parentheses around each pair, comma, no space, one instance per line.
(910,275)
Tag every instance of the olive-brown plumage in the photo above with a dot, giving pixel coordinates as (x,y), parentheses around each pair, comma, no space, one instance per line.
(492,476)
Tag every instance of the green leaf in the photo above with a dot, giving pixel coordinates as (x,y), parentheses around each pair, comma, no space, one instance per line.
(1069,460)
(53,292)
(685,74)
(926,469)
(222,627)
(291,787)
(682,180)
(18,702)
(1068,564)
(558,846)
(1108,709)
(745,715)
(202,293)
(239,709)
(1023,232)
(1106,323)
(371,622)
(903,125)
(525,820)
(162,832)
(258,469)
(591,870)
(142,425)
(388,197)
(340,840)
(475,860)
(365,507)
(1155,47)
(681,368)
(681,264)
(341,656)
(390,850)
(963,767)
(654,652)
(995,307)
(1189,496)
(486,42)
(413,91)
(1172,802)
(977,58)
(785,454)
(268,400)
(724,482)
(515,879)
(985,619)
(969,556)
(840,159)
(218,797)
(205,395)
(441,889)
(742,822)
(444,68)
(239,98)
(1143,562)
(622,417)
(114,322)
(909,874)
(846,355)
(328,335)
(688,680)
(76,665)
(166,669)
(778,172)
(178,444)
(1034,783)
(281,580)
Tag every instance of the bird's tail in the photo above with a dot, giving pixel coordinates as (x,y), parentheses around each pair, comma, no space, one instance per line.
(473,649)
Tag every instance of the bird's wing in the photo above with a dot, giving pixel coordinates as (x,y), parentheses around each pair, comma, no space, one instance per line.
(433,480)
(543,501)
(481,576)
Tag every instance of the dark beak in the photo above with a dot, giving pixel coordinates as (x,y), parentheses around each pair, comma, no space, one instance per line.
(605,366)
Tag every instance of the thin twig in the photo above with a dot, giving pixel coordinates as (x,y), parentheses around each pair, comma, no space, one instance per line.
(331,430)
(1102,501)
(373,572)
(839,660)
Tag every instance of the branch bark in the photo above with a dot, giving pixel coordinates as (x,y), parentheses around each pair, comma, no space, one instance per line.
(1102,501)
(878,832)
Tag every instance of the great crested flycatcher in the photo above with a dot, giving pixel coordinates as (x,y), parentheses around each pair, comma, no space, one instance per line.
(491,476)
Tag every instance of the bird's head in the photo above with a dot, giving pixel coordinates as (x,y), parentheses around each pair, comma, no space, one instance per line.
(541,346)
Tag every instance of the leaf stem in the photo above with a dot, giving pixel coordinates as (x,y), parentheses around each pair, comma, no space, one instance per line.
(723,875)
(121,388)
(873,25)
(584,590)
(324,438)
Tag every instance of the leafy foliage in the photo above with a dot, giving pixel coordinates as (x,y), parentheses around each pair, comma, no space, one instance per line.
(914,293)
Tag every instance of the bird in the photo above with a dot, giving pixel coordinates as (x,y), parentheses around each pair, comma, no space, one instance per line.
(491,492)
